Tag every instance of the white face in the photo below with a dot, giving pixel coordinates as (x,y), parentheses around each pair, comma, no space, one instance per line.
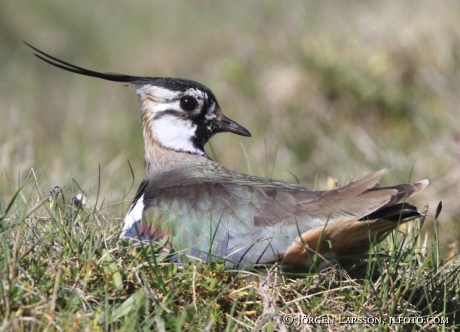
(173,126)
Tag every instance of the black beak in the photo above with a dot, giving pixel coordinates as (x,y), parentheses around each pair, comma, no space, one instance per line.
(224,124)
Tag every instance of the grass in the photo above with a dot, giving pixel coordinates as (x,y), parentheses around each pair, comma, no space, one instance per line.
(327,89)
(64,268)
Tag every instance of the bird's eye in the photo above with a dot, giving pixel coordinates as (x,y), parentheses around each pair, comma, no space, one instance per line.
(188,103)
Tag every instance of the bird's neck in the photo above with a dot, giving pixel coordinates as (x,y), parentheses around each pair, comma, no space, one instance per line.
(159,159)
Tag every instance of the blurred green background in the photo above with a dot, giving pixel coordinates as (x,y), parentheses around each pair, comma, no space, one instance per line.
(332,89)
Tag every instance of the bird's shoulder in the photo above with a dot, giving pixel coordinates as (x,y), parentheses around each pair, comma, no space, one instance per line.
(206,177)
(207,189)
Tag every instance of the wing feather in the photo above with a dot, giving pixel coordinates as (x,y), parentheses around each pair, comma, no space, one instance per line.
(249,219)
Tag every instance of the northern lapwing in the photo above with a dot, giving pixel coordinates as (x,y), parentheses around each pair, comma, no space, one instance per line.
(209,211)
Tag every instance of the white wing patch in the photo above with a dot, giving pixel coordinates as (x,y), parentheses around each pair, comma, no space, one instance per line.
(134,215)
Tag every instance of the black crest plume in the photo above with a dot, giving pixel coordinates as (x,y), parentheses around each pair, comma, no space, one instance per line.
(135,80)
(175,84)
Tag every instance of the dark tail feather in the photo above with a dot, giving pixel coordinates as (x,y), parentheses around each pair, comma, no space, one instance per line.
(400,212)
(395,210)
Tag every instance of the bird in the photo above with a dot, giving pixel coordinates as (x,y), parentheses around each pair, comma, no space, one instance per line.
(200,208)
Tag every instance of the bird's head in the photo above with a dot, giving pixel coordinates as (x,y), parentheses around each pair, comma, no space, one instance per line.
(178,114)
(182,115)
